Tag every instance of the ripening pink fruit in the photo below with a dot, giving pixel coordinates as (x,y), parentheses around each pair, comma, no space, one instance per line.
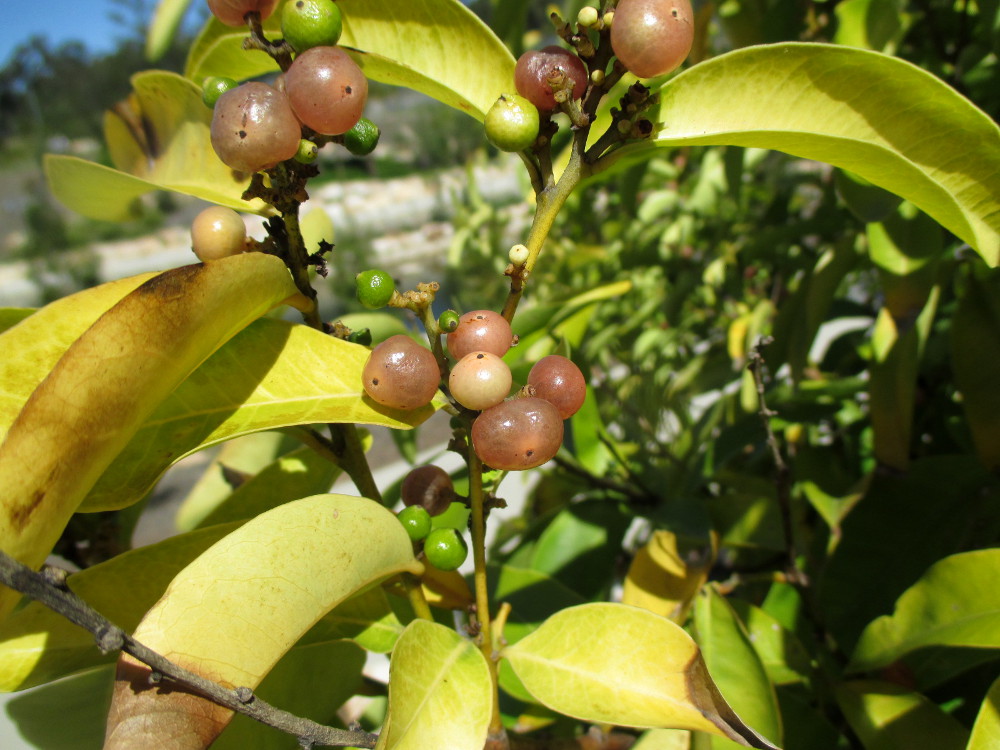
(652,37)
(480,331)
(560,382)
(327,90)
(518,434)
(479,380)
(253,128)
(533,69)
(233,12)
(401,374)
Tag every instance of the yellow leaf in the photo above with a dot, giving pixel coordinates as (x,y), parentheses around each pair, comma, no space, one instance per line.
(660,580)
(440,695)
(615,664)
(233,612)
(112,377)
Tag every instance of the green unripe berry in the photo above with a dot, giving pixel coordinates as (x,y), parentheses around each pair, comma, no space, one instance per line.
(362,139)
(416,520)
(311,23)
(512,123)
(363,337)
(588,16)
(448,321)
(307,153)
(375,288)
(445,549)
(215,86)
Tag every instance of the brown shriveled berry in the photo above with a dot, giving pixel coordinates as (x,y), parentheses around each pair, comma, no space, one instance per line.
(429,487)
(518,434)
(480,331)
(560,382)
(401,374)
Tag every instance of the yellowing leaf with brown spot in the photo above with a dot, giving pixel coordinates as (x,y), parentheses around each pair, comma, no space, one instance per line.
(615,664)
(233,612)
(112,377)
(440,694)
(661,580)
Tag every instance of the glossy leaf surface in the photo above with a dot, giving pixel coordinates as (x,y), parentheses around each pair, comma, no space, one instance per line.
(458,60)
(439,692)
(574,664)
(877,116)
(886,716)
(986,730)
(956,602)
(273,374)
(661,580)
(111,379)
(234,611)
(155,139)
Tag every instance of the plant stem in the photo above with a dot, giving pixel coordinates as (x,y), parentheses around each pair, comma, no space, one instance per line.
(352,459)
(477,501)
(415,594)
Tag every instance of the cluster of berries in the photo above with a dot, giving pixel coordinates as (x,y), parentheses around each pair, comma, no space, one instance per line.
(322,93)
(649,38)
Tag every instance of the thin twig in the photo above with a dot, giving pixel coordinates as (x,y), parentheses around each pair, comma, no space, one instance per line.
(782,474)
(50,590)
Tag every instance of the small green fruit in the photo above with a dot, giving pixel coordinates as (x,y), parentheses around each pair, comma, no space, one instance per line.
(307,153)
(311,23)
(363,337)
(375,288)
(416,520)
(445,549)
(448,321)
(362,139)
(512,123)
(215,86)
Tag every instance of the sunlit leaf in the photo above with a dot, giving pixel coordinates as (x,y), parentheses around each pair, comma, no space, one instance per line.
(108,383)
(37,645)
(439,692)
(32,347)
(458,61)
(986,730)
(954,603)
(158,140)
(663,580)
(233,612)
(273,374)
(163,27)
(886,716)
(780,651)
(735,666)
(880,117)
(574,663)
(366,618)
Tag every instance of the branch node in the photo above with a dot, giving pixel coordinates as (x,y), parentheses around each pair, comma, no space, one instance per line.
(109,638)
(56,576)
(244,695)
(155,677)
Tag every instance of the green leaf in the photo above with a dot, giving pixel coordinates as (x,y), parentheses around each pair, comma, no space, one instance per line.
(108,383)
(159,140)
(366,618)
(975,358)
(11,316)
(986,730)
(614,664)
(458,60)
(439,692)
(32,348)
(954,603)
(886,716)
(273,374)
(880,117)
(37,645)
(781,652)
(310,680)
(870,24)
(233,612)
(300,473)
(902,526)
(163,27)
(734,665)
